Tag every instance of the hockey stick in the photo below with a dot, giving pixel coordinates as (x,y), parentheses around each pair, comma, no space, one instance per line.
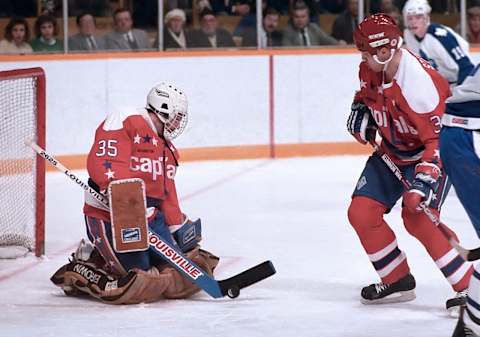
(466,254)
(229,287)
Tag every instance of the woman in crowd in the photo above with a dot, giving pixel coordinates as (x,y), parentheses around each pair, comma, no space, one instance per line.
(473,34)
(16,36)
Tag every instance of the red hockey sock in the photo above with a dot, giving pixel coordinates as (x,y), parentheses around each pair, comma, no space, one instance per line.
(377,238)
(455,269)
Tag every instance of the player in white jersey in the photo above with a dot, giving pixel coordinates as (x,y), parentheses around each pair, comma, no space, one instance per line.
(446,51)
(460,153)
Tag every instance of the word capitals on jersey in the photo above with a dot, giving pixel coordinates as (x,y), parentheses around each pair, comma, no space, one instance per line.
(400,124)
(153,166)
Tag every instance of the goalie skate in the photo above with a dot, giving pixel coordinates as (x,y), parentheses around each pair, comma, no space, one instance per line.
(378,293)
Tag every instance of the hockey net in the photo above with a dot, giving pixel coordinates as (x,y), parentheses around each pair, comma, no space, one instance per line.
(22,172)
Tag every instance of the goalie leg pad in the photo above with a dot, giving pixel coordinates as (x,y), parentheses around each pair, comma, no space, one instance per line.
(78,278)
(128,215)
(183,288)
(100,233)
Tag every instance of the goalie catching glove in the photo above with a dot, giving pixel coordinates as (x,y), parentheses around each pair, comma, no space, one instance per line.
(423,187)
(361,124)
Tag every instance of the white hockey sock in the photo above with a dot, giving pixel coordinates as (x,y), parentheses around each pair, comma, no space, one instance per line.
(473,302)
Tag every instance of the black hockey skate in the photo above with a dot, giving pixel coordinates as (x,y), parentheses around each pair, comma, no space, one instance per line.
(461,330)
(400,291)
(459,300)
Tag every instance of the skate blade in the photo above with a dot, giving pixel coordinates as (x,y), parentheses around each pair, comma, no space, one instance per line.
(401,296)
(454,312)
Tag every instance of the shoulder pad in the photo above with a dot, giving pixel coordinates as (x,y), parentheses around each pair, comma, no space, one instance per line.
(116,117)
(437,30)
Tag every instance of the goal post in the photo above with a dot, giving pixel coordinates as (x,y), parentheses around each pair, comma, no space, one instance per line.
(22,172)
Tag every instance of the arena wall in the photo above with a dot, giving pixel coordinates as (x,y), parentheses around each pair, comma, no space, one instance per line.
(241,104)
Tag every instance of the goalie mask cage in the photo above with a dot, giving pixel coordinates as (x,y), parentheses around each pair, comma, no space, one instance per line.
(22,172)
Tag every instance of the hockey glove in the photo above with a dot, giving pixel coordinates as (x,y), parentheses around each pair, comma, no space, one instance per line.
(361,124)
(423,187)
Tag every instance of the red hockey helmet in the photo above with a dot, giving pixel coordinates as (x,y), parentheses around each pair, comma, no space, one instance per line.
(376,31)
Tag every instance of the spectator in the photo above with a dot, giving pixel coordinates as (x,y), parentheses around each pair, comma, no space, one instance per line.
(396,15)
(269,35)
(301,32)
(345,23)
(16,36)
(210,35)
(248,19)
(46,32)
(85,39)
(124,37)
(314,7)
(174,35)
(473,34)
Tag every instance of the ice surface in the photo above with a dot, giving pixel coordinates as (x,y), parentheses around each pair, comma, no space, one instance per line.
(292,211)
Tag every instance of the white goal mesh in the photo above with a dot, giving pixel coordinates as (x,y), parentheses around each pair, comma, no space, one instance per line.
(21,173)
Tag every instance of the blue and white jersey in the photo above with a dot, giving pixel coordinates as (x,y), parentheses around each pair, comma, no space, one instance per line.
(463,107)
(445,50)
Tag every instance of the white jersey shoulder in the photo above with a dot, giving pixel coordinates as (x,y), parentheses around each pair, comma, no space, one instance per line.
(469,90)
(117,116)
(416,84)
(446,51)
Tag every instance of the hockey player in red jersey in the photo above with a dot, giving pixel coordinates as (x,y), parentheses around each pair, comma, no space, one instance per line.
(402,98)
(136,144)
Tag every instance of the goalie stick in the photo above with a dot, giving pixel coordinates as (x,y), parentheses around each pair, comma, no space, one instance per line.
(229,287)
(466,254)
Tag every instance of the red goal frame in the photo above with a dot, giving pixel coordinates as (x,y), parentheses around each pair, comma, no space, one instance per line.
(40,94)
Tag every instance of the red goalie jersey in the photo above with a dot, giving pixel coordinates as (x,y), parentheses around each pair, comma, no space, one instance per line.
(128,146)
(407,110)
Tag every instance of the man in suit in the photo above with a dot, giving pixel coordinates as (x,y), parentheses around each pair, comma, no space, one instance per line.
(345,23)
(124,37)
(301,32)
(85,39)
(269,35)
(210,35)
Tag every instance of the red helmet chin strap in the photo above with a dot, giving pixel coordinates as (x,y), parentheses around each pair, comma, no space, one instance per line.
(392,53)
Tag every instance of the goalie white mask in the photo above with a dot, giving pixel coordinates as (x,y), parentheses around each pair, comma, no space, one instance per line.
(170,104)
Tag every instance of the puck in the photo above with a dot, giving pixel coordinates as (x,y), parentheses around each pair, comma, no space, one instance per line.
(233,292)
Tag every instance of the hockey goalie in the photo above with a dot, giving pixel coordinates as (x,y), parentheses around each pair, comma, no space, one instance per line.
(133,162)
